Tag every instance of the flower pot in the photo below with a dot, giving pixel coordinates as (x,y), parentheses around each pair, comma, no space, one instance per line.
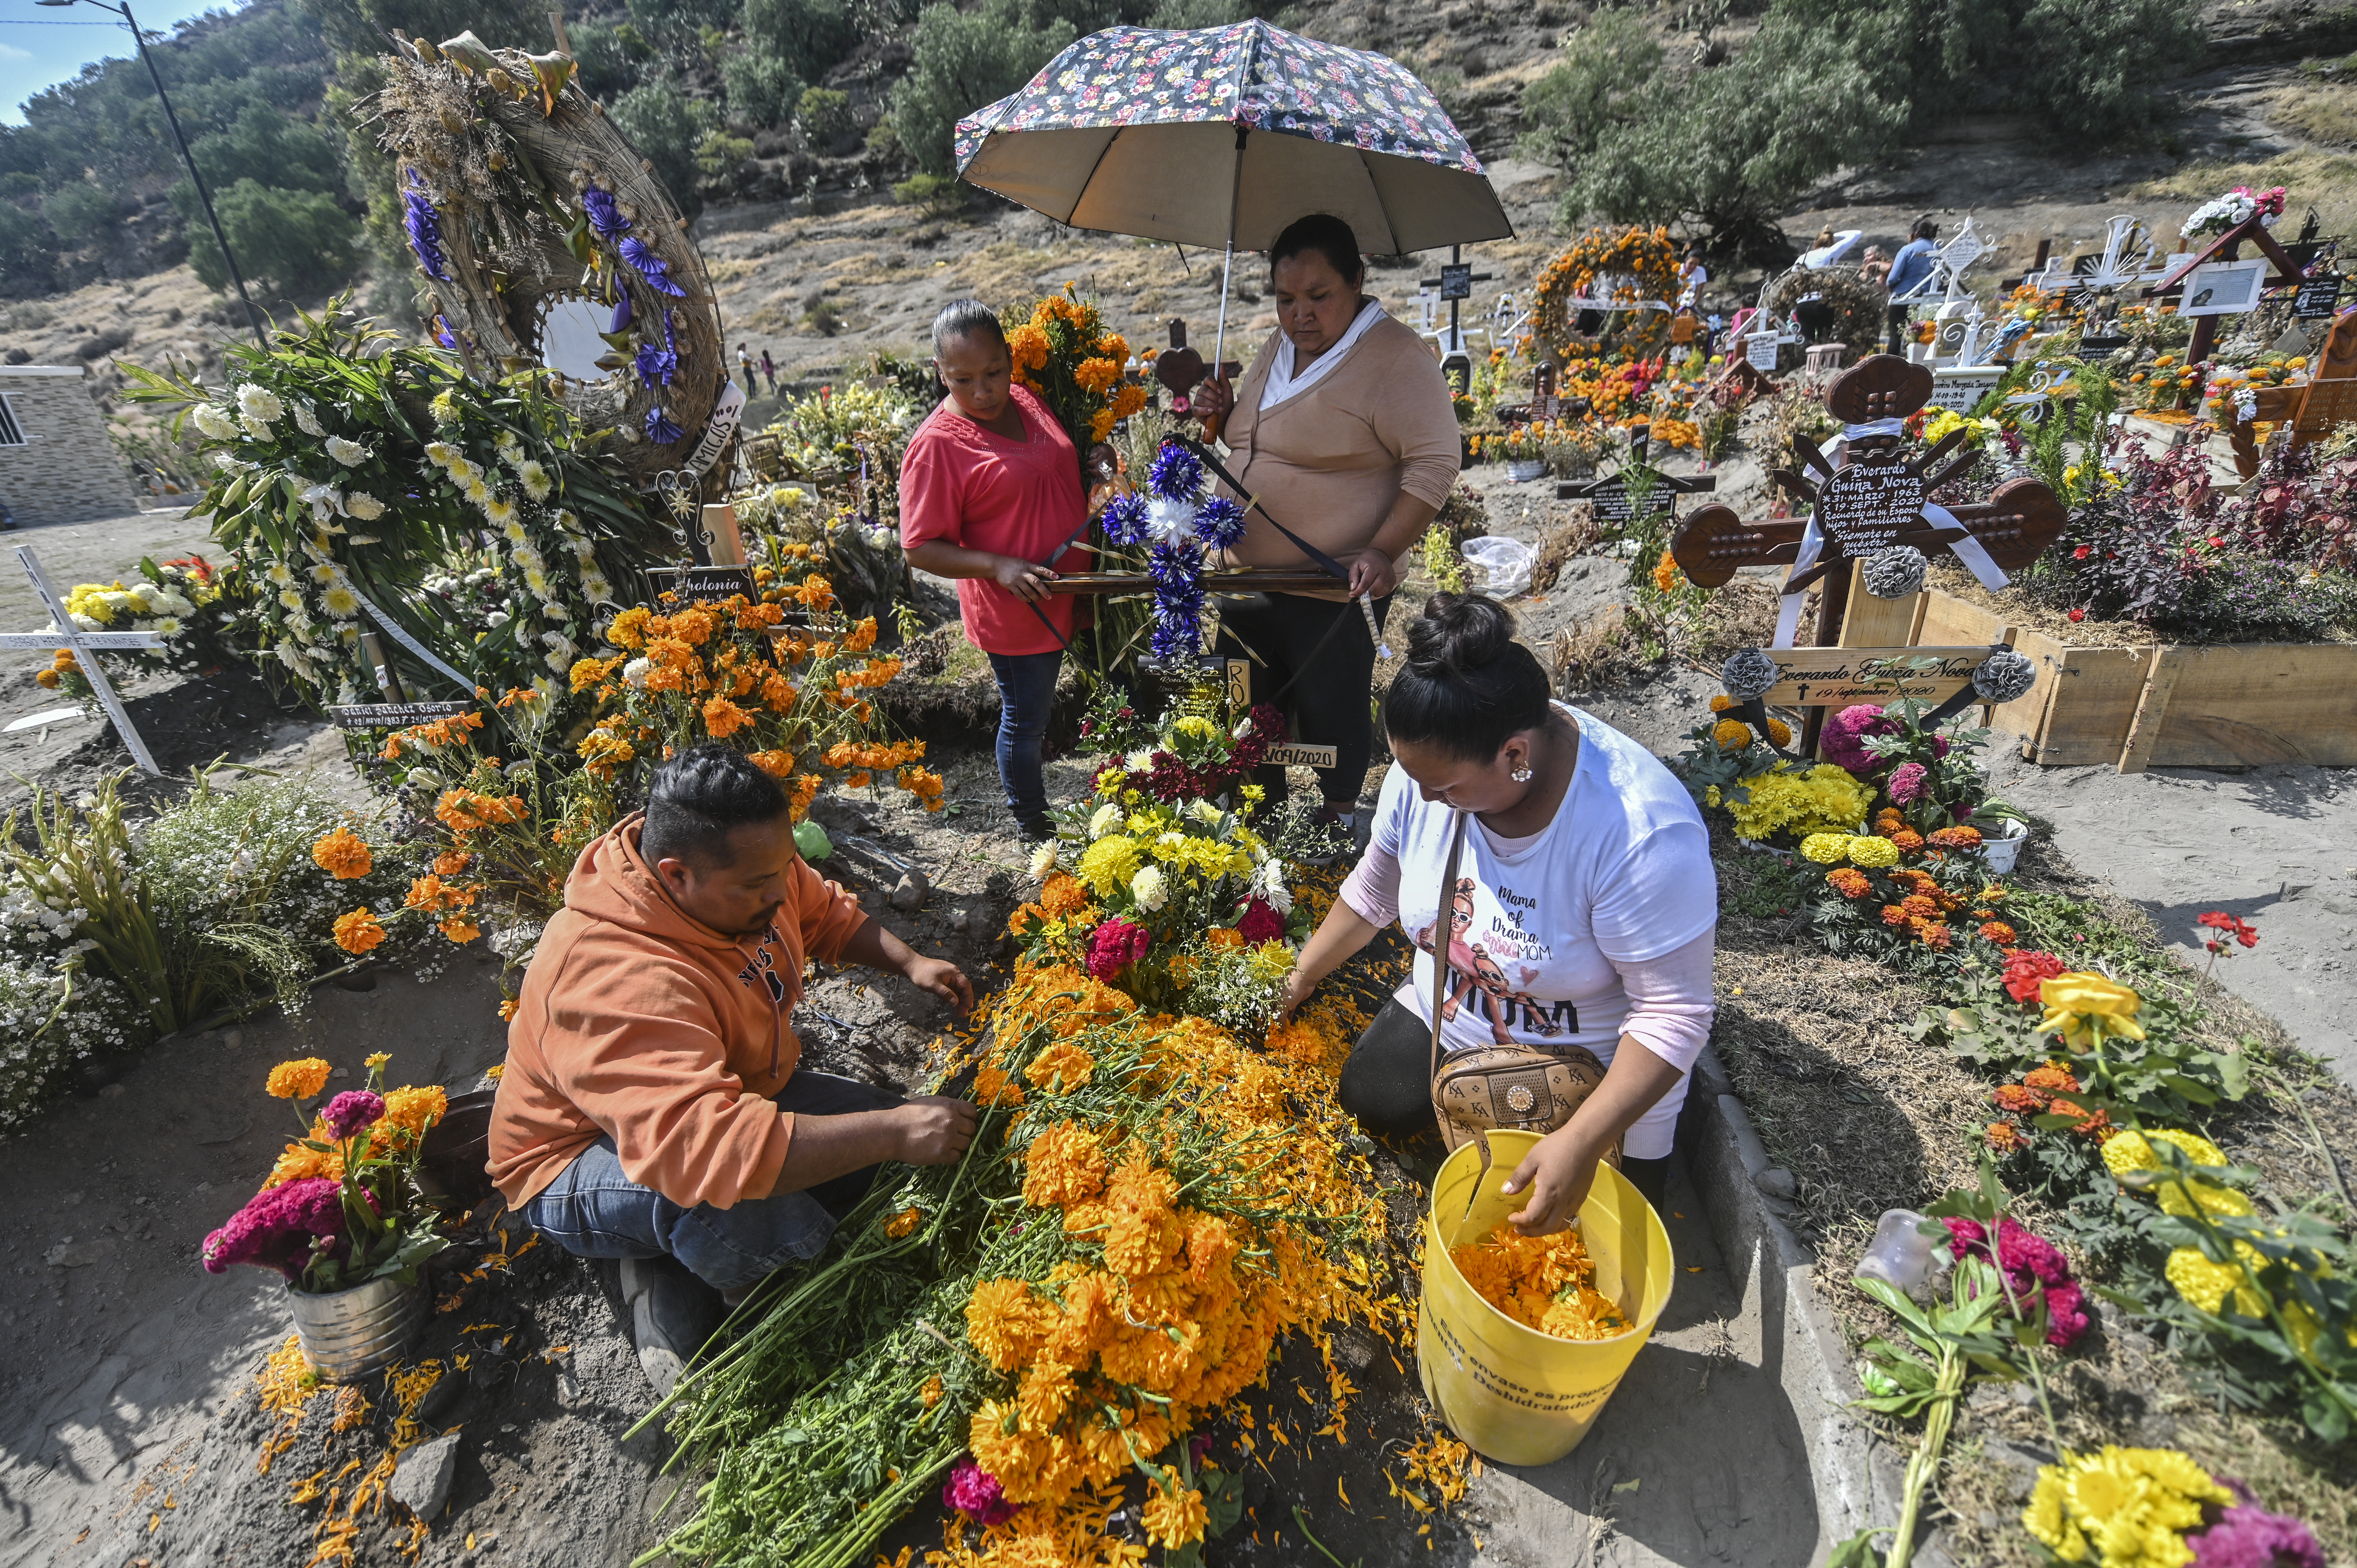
(1523,470)
(349,1334)
(2001,853)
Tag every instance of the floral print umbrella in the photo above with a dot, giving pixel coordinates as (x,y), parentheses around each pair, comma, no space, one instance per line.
(1223,135)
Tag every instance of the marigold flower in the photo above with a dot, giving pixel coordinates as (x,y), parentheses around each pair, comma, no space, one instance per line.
(408,1112)
(298,1079)
(1849,884)
(2131,1150)
(993,1087)
(1825,849)
(343,854)
(629,630)
(1872,853)
(358,932)
(1730,735)
(900,1224)
(1173,1516)
(724,717)
(2003,1136)
(459,930)
(508,1006)
(452,863)
(1061,1067)
(1997,932)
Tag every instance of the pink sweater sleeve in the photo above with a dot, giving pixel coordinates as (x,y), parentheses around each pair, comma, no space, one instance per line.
(1372,890)
(1670,1000)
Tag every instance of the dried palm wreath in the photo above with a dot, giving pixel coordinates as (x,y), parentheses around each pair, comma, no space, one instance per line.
(521,199)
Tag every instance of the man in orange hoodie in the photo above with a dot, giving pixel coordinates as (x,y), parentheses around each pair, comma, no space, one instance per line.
(651,1110)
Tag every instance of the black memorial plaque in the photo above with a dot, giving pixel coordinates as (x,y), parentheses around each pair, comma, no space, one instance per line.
(1866,505)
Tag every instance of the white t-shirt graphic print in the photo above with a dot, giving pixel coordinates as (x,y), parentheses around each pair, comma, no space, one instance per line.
(1535,925)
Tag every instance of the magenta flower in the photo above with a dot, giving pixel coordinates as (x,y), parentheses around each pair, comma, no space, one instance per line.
(975,1493)
(1846,734)
(1115,945)
(352,1112)
(276,1228)
(2248,1536)
(1908,781)
(2028,1261)
(1261,922)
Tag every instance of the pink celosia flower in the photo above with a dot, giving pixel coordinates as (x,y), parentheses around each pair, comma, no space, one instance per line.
(1115,945)
(352,1112)
(1907,782)
(975,1493)
(1846,734)
(276,1228)
(2028,1261)
(1261,922)
(2248,1536)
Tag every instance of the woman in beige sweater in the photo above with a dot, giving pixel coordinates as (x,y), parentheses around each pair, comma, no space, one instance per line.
(1343,430)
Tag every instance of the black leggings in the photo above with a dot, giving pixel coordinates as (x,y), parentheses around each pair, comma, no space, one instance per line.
(1387,1085)
(1327,705)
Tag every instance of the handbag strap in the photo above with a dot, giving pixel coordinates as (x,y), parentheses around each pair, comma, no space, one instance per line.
(1443,932)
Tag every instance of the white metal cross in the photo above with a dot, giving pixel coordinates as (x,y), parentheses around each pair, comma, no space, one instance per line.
(85,646)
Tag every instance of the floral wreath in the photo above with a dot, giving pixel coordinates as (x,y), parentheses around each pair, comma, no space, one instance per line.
(1635,263)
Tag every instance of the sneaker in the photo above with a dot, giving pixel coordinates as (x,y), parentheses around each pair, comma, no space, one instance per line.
(672,1312)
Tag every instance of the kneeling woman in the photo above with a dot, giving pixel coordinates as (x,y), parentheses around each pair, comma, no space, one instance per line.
(1584,911)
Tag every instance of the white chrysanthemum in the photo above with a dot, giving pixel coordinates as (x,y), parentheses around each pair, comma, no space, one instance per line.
(307,422)
(290,599)
(500,510)
(258,428)
(325,572)
(349,453)
(1270,882)
(477,492)
(535,582)
(340,602)
(87,623)
(442,455)
(1168,522)
(363,506)
(497,619)
(292,656)
(583,551)
(1207,813)
(568,521)
(260,403)
(214,422)
(536,482)
(559,661)
(347,631)
(527,559)
(363,539)
(1043,859)
(1149,889)
(1139,761)
(634,673)
(596,589)
(168,626)
(1108,817)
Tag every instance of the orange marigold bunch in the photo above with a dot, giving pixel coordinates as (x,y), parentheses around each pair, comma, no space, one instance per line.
(1545,1283)
(604,753)
(878,755)
(629,628)
(431,736)
(466,811)
(924,784)
(1850,882)
(344,856)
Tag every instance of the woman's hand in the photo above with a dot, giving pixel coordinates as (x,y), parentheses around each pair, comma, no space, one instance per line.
(1372,574)
(1212,400)
(1557,1173)
(1299,988)
(1022,578)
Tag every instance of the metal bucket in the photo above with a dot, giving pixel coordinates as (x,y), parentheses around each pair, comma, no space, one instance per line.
(351,1333)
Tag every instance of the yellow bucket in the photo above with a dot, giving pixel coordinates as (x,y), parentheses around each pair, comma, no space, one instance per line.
(1513,1394)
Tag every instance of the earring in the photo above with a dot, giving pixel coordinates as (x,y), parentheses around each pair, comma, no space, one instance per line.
(1520,776)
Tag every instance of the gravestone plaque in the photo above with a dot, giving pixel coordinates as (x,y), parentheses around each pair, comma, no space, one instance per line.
(1456,280)
(1615,502)
(1959,390)
(2100,348)
(1759,351)
(1864,507)
(2318,298)
(1292,754)
(1837,677)
(702,584)
(393,715)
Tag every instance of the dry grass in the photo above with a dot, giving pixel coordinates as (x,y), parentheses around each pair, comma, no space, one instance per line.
(2324,110)
(2315,177)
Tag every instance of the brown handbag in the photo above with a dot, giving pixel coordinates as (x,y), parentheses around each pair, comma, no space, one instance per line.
(1517,1087)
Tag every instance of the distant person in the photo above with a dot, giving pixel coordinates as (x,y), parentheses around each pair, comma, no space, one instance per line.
(745,364)
(1691,277)
(769,372)
(990,491)
(1877,265)
(1909,268)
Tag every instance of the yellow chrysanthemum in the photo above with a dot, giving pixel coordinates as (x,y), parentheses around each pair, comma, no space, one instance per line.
(1107,865)
(1825,849)
(2129,1150)
(2205,1284)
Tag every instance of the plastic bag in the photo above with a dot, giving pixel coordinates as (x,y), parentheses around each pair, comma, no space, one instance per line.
(1506,563)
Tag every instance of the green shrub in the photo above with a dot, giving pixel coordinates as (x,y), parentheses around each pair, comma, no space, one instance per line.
(762,88)
(297,244)
(81,213)
(608,54)
(824,115)
(963,60)
(270,146)
(720,155)
(662,125)
(807,35)
(936,195)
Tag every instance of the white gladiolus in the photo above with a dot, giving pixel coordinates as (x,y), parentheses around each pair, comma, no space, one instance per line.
(214,422)
(348,453)
(1149,889)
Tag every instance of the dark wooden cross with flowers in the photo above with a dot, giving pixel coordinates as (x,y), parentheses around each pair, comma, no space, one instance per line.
(2291,271)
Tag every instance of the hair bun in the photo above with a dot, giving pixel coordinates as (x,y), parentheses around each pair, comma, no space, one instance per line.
(1458,634)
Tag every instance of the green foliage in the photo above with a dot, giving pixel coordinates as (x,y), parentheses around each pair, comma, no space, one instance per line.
(297,243)
(609,55)
(82,214)
(362,27)
(807,36)
(824,114)
(938,195)
(762,88)
(720,155)
(963,60)
(2087,67)
(270,147)
(664,127)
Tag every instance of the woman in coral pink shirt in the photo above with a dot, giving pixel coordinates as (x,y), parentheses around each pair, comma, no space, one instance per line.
(991,494)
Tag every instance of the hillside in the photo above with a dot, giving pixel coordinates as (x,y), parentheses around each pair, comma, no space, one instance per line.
(816,263)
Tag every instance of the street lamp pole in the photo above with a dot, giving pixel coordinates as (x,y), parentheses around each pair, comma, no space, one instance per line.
(252,316)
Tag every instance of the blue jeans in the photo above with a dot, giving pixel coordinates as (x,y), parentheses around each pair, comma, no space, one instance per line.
(593,1210)
(1027,690)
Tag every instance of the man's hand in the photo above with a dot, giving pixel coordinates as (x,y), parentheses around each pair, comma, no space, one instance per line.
(1558,1173)
(942,978)
(1024,580)
(1372,574)
(934,1129)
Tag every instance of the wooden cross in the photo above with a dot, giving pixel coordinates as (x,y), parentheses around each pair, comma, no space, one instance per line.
(85,646)
(2292,271)
(2329,398)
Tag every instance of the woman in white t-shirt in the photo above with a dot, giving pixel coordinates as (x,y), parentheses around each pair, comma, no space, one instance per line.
(1585,910)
